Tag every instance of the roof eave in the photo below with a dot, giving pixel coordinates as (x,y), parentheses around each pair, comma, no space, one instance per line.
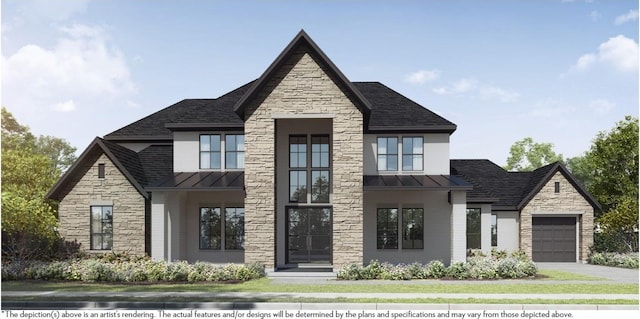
(139,138)
(413,129)
(204,126)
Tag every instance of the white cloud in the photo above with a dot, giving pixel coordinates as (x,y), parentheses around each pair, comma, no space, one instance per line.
(459,87)
(67,106)
(78,69)
(620,52)
(632,15)
(502,95)
(477,90)
(422,76)
(601,106)
(551,108)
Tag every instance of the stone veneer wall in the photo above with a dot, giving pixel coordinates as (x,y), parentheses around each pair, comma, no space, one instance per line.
(128,209)
(302,86)
(568,200)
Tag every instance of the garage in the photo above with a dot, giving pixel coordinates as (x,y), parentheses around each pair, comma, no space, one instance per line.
(554,239)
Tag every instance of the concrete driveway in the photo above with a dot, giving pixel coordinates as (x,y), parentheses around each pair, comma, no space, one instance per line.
(618,275)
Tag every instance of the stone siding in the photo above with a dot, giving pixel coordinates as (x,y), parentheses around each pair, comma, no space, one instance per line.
(568,201)
(302,86)
(128,209)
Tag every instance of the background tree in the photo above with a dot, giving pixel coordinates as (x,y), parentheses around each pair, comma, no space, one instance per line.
(526,155)
(609,171)
(30,167)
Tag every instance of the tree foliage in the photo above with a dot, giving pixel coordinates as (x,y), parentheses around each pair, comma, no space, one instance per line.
(609,171)
(526,155)
(30,166)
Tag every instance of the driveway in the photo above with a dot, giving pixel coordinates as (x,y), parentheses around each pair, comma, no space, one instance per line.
(618,275)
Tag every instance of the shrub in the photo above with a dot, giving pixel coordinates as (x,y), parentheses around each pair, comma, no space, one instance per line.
(628,260)
(435,269)
(498,254)
(520,255)
(457,270)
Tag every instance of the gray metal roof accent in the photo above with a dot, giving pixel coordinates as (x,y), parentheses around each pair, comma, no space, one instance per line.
(418,182)
(212,180)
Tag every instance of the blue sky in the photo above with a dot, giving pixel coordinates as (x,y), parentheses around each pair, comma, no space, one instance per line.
(558,71)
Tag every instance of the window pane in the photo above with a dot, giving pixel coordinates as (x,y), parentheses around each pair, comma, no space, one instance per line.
(230,142)
(210,228)
(473,228)
(205,143)
(392,162)
(387,228)
(407,163)
(315,159)
(382,162)
(392,147)
(417,145)
(101,230)
(298,186)
(240,160)
(215,142)
(412,228)
(234,228)
(205,160)
(231,160)
(382,145)
(417,162)
(320,186)
(407,145)
(494,230)
(215,160)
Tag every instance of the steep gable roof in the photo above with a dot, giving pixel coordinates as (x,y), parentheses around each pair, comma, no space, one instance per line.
(302,39)
(509,190)
(124,159)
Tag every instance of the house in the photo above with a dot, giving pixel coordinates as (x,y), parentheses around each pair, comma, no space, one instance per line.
(304,167)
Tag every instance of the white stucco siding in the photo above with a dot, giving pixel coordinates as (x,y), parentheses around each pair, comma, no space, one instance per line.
(186,151)
(508,230)
(437,214)
(435,154)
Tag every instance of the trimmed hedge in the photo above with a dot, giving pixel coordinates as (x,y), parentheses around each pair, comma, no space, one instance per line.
(103,269)
(477,266)
(628,260)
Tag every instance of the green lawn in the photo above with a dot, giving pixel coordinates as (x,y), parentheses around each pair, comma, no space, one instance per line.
(265,285)
(548,274)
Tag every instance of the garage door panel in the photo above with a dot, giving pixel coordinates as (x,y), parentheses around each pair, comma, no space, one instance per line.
(554,239)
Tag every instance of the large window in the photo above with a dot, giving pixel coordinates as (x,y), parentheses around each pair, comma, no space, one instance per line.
(101,227)
(412,228)
(234,228)
(234,151)
(473,229)
(387,228)
(412,153)
(212,230)
(309,172)
(387,153)
(210,151)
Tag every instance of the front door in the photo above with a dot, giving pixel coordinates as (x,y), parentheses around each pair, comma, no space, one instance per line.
(308,235)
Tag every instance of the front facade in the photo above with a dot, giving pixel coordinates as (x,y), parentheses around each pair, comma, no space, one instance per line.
(303,167)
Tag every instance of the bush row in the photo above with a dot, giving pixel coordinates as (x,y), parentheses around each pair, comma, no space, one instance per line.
(476,267)
(628,260)
(139,270)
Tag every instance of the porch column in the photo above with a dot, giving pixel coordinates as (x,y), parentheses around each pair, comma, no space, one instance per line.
(174,226)
(458,226)
(158,222)
(485,229)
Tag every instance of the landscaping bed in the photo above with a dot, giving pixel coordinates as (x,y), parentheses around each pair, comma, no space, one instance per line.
(628,260)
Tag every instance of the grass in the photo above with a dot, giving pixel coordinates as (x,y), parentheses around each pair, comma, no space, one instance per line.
(547,274)
(265,285)
(342,300)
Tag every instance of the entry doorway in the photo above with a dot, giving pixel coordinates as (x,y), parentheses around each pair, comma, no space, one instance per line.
(309,238)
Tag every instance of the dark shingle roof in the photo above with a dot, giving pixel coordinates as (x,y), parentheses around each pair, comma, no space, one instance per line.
(508,190)
(130,160)
(391,110)
(157,161)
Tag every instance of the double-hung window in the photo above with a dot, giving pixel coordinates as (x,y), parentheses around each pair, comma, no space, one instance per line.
(387,228)
(298,168)
(101,227)
(412,153)
(387,153)
(210,151)
(234,151)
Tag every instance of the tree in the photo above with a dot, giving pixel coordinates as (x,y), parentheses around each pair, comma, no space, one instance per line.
(609,171)
(526,155)
(30,167)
